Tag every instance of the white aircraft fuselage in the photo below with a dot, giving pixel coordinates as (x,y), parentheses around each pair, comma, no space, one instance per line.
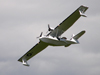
(53,41)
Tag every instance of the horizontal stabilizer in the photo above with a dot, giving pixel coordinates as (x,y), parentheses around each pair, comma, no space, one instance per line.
(78,35)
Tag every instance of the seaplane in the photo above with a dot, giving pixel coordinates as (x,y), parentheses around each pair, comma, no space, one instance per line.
(53,37)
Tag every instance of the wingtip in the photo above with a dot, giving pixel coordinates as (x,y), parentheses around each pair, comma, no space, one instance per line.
(20,60)
(84,31)
(84,6)
(82,9)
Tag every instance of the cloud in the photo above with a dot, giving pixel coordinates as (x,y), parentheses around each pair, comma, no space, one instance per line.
(21,21)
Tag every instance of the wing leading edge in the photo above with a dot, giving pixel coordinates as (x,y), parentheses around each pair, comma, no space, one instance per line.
(32,52)
(68,22)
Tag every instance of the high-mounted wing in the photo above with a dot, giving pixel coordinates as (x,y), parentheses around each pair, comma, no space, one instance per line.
(68,22)
(32,52)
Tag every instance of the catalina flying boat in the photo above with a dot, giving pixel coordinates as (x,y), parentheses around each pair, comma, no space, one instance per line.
(53,38)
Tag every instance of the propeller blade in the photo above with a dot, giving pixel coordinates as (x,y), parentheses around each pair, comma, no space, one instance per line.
(49,29)
(40,35)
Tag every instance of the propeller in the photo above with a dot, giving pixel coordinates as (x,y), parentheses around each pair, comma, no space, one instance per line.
(40,35)
(49,28)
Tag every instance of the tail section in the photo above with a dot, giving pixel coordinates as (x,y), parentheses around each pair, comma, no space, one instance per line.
(76,37)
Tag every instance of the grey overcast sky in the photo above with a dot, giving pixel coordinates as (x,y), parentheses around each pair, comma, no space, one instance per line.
(21,21)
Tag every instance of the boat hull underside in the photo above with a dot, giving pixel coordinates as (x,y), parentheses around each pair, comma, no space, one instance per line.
(54,42)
